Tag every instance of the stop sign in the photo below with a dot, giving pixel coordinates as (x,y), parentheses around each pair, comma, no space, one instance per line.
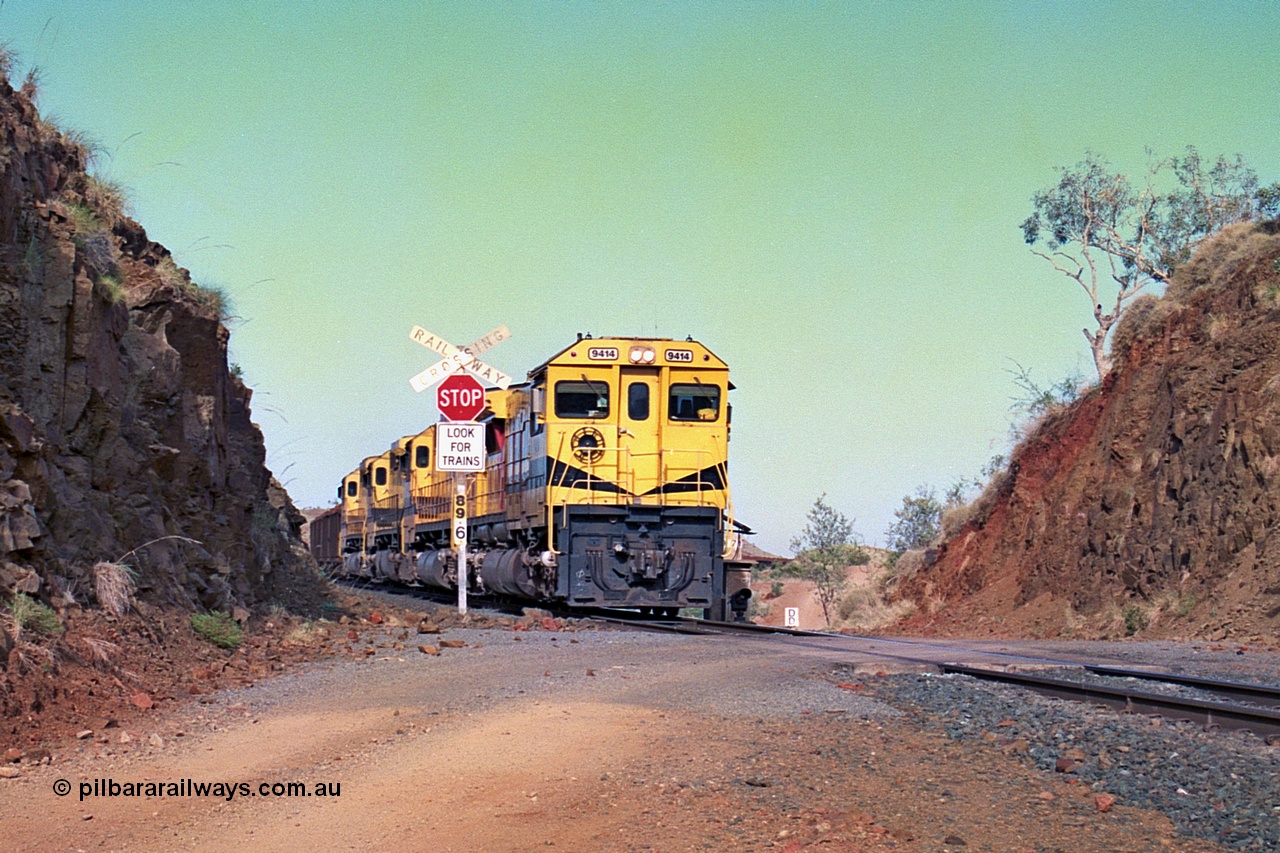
(460,397)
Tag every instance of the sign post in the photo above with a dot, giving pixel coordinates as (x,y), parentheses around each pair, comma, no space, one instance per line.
(460,439)
(458,534)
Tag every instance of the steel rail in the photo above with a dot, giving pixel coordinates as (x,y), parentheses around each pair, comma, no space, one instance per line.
(1240,691)
(1213,715)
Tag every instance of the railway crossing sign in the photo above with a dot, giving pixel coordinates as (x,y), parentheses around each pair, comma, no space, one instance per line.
(459,440)
(460,397)
(458,358)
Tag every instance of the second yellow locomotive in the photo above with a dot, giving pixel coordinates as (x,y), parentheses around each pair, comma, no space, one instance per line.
(605,485)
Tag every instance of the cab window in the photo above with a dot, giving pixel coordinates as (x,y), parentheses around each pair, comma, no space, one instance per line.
(582,400)
(694,402)
(351,488)
(380,476)
(638,401)
(422,456)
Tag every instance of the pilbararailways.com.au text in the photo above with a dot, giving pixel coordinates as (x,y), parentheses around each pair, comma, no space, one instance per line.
(191,788)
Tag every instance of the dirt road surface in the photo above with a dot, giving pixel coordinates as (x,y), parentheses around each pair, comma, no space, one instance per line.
(574,741)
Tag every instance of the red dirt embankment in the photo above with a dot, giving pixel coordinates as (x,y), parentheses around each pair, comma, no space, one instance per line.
(1149,506)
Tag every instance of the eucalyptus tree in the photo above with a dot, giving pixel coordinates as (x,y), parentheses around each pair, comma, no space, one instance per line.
(1114,237)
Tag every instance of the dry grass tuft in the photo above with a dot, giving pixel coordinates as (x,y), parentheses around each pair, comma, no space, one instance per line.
(114,584)
(63,591)
(108,200)
(1144,315)
(172,275)
(101,652)
(866,607)
(1222,257)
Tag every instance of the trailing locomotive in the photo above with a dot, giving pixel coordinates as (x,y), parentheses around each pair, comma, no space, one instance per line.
(605,485)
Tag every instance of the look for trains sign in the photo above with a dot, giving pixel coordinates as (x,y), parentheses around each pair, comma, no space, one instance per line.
(460,446)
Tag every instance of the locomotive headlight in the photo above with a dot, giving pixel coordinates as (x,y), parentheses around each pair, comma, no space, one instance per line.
(641,355)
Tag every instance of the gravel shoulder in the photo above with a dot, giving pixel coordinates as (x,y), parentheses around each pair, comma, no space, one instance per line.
(595,740)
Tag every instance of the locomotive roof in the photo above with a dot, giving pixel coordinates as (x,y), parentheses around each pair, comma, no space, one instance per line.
(692,353)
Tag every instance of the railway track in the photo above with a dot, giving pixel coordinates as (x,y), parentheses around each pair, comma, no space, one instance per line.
(1237,706)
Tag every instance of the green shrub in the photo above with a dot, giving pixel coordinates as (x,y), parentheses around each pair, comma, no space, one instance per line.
(113,287)
(30,614)
(1135,619)
(84,220)
(217,628)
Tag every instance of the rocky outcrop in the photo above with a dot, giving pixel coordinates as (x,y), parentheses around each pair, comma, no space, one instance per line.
(1151,504)
(121,430)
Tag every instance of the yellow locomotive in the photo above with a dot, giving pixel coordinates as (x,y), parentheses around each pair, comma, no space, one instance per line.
(605,485)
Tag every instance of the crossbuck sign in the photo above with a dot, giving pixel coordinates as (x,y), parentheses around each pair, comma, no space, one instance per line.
(458,358)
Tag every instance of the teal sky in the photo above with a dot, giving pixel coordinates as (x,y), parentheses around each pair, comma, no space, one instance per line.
(826,194)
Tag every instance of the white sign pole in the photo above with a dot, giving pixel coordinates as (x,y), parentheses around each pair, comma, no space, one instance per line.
(460,537)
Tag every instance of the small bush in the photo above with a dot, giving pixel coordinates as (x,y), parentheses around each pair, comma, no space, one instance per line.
(171,274)
(87,147)
(217,628)
(266,519)
(212,298)
(113,287)
(29,614)
(31,83)
(84,220)
(107,198)
(1135,619)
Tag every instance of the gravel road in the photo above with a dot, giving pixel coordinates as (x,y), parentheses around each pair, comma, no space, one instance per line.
(631,741)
